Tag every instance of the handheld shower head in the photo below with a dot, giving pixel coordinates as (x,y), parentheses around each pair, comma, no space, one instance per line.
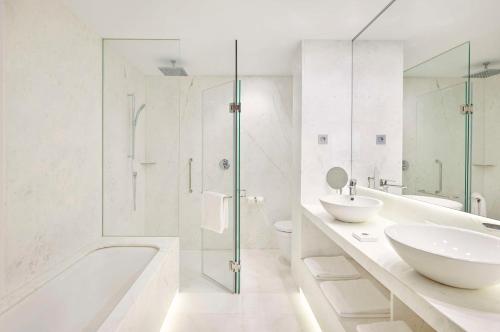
(137,113)
(134,126)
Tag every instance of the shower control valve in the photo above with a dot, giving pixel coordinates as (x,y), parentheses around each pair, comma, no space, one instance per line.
(224,164)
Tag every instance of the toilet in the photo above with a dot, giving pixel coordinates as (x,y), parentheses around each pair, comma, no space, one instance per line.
(284,233)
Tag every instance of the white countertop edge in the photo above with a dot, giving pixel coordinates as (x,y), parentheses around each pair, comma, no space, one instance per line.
(444,308)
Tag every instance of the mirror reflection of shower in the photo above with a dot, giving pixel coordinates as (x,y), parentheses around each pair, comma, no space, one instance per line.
(135,121)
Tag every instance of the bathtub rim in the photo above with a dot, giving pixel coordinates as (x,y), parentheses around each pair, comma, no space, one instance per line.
(161,244)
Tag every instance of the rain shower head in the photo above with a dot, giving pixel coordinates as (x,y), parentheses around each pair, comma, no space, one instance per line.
(486,72)
(173,71)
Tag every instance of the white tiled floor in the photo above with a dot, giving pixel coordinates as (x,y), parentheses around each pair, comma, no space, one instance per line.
(269,300)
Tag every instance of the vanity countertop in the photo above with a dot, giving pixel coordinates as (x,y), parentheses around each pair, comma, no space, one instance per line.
(442,307)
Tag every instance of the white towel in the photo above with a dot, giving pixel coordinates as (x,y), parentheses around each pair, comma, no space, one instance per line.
(331,268)
(215,211)
(478,205)
(394,326)
(356,299)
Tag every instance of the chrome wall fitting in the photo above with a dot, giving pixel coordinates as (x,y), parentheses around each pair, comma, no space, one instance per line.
(224,164)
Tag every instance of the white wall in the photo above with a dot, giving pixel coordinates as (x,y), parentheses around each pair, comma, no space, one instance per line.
(326,109)
(52,137)
(2,164)
(266,161)
(120,80)
(162,148)
(377,110)
(297,159)
(322,86)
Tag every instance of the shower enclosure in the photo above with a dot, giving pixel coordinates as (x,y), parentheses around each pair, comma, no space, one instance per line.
(167,138)
(437,148)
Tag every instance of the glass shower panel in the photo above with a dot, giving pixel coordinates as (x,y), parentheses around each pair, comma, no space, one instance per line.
(218,174)
(441,140)
(437,128)
(140,138)
(237,178)
(221,177)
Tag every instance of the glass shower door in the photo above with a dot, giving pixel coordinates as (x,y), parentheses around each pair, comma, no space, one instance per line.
(221,175)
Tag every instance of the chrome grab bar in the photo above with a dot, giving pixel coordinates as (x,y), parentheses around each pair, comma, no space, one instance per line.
(440,165)
(190,163)
(492,226)
(452,197)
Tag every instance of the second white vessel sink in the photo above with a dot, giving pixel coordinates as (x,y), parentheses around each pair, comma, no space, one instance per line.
(452,256)
(351,209)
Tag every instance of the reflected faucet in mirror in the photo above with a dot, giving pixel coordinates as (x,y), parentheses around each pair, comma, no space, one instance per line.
(385,184)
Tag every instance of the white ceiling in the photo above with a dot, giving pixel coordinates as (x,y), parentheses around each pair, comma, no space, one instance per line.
(145,55)
(430,27)
(269,31)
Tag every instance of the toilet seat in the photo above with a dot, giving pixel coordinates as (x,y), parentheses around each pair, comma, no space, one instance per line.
(284,226)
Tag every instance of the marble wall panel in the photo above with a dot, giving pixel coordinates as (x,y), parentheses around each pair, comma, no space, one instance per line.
(124,92)
(52,137)
(377,110)
(326,110)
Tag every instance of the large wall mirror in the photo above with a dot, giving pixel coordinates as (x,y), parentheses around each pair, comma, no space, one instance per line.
(426,104)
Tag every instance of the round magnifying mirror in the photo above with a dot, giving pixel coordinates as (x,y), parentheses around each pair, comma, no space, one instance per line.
(337,178)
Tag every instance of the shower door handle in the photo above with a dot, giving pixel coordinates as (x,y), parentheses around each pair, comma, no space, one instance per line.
(190,163)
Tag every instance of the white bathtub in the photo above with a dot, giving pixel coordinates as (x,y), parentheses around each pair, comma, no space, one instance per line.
(122,284)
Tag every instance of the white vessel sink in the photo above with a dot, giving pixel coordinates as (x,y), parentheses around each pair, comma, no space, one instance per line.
(452,256)
(447,203)
(357,209)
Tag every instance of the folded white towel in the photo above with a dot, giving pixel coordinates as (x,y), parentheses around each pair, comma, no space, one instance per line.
(394,326)
(215,211)
(331,268)
(356,298)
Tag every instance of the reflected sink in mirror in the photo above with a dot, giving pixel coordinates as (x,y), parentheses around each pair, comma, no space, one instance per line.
(351,208)
(447,203)
(452,256)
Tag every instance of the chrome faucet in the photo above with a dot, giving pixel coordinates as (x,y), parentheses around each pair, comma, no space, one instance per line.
(352,188)
(372,180)
(384,185)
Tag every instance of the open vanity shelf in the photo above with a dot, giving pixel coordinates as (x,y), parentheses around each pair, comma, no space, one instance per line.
(311,288)
(427,306)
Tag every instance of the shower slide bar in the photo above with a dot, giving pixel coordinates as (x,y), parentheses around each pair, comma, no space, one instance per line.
(190,182)
(440,183)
